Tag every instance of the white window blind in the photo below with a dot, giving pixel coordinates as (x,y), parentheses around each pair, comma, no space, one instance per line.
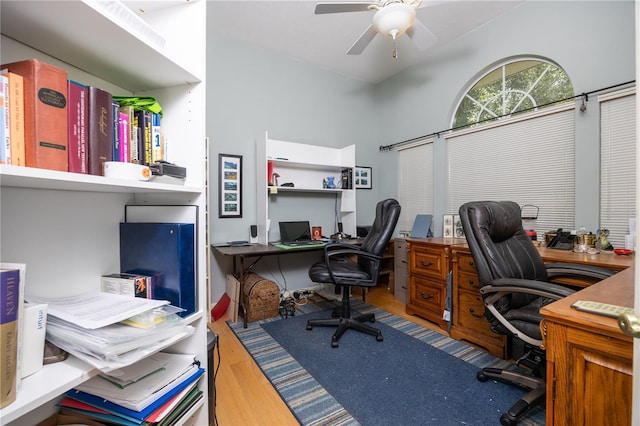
(415,182)
(618,163)
(528,159)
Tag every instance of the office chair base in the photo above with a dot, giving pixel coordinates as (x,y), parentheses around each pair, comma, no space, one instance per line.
(356,323)
(517,410)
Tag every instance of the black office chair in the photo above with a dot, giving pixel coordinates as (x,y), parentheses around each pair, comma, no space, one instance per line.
(348,265)
(515,284)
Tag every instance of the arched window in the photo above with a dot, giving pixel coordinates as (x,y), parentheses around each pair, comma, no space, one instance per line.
(510,88)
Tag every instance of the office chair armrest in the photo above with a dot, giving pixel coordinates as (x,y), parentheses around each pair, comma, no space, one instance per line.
(336,246)
(579,270)
(505,286)
(350,252)
(538,288)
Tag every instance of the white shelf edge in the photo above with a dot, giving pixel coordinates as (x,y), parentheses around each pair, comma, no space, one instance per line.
(301,189)
(50,382)
(294,164)
(29,177)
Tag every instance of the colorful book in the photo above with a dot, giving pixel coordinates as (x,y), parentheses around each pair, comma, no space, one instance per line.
(9,306)
(45,113)
(144,136)
(124,129)
(23,273)
(100,130)
(16,117)
(78,109)
(165,251)
(133,132)
(115,133)
(5,129)
(157,149)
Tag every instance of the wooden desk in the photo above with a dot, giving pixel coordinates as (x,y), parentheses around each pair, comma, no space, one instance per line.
(589,359)
(257,252)
(469,322)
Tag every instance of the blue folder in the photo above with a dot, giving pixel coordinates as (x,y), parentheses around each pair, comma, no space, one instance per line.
(166,252)
(127,413)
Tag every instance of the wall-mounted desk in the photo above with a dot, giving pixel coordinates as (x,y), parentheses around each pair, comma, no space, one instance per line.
(589,359)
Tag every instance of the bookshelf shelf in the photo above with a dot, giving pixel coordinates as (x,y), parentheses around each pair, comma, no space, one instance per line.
(64,226)
(306,166)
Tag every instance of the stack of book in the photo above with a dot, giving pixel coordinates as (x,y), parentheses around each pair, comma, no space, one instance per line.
(85,125)
(156,391)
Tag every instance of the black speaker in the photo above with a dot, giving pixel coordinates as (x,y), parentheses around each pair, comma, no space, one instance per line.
(340,227)
(254,231)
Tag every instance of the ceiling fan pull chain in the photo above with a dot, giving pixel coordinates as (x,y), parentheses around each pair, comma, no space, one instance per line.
(395,44)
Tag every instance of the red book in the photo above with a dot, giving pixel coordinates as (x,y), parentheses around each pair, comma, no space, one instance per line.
(100,130)
(78,114)
(45,113)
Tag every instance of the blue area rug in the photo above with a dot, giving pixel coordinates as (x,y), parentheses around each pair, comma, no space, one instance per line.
(414,377)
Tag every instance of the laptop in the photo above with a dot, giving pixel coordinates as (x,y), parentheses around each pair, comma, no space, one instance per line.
(296,233)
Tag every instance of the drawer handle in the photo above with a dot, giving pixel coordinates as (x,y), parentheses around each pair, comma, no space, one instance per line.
(473,313)
(425,297)
(422,262)
(404,261)
(471,263)
(404,287)
(472,283)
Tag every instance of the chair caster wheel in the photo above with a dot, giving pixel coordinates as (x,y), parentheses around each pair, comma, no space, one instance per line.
(506,421)
(309,327)
(379,337)
(481,376)
(334,344)
(372,320)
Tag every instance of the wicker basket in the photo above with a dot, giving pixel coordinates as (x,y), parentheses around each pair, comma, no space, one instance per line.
(261,297)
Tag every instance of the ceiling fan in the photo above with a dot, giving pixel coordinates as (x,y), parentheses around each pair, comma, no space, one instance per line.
(392,19)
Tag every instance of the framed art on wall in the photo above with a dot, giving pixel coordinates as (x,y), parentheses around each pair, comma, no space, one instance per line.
(230,186)
(362,177)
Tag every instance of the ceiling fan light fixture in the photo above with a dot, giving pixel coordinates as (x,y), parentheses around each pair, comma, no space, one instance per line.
(394,19)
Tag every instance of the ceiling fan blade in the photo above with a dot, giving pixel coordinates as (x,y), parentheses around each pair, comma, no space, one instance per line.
(322,8)
(421,36)
(364,40)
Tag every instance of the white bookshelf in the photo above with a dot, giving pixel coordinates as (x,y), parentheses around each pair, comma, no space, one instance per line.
(64,226)
(306,166)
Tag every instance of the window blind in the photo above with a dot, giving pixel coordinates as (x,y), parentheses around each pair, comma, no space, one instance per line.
(618,163)
(528,159)
(415,182)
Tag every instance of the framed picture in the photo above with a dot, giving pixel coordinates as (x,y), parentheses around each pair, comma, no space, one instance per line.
(458,230)
(362,177)
(447,226)
(230,190)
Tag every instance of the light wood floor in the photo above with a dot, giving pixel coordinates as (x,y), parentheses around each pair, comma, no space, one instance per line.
(244,396)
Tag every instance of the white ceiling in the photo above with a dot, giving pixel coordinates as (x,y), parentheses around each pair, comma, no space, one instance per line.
(291,28)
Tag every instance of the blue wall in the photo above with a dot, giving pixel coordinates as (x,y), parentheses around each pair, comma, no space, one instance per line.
(251,90)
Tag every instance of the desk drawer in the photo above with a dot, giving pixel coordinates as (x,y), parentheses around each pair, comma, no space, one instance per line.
(466,263)
(427,295)
(467,281)
(471,314)
(429,262)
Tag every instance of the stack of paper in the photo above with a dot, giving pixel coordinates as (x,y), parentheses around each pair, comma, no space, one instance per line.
(155,391)
(89,326)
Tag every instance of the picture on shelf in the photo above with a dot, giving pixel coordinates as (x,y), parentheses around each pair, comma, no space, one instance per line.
(362,177)
(447,225)
(458,231)
(230,189)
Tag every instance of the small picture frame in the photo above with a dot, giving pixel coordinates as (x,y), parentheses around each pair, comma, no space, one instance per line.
(362,177)
(230,189)
(447,226)
(458,230)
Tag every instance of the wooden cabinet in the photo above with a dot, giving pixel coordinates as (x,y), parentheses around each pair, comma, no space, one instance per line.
(589,360)
(469,321)
(64,226)
(386,276)
(400,269)
(429,265)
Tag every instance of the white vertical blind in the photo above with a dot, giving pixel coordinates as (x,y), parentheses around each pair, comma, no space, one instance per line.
(528,159)
(415,182)
(618,163)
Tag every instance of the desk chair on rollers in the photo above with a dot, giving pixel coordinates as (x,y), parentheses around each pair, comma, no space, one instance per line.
(515,284)
(347,265)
